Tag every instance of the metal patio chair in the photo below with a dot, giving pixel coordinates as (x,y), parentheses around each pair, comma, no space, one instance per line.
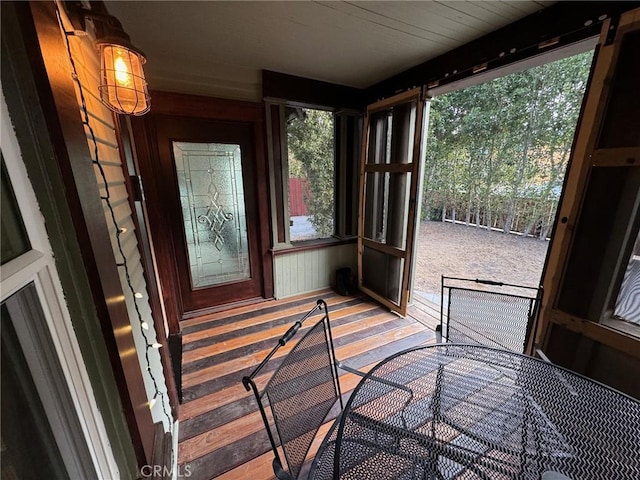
(494,317)
(300,394)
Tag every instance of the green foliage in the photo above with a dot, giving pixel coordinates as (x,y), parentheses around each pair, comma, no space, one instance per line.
(310,137)
(497,152)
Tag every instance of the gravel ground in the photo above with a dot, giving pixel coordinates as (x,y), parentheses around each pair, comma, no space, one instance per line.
(469,252)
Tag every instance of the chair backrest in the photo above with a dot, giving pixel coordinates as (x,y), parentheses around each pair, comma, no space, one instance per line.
(494,317)
(300,393)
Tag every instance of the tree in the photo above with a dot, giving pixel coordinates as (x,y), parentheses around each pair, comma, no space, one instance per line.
(498,150)
(310,137)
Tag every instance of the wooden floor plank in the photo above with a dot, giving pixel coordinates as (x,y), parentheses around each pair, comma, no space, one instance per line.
(219,437)
(237,364)
(422,317)
(258,468)
(303,299)
(226,458)
(205,394)
(221,432)
(427,306)
(257,444)
(236,391)
(425,311)
(211,419)
(353,315)
(219,383)
(253,336)
(238,326)
(212,401)
(239,428)
(206,444)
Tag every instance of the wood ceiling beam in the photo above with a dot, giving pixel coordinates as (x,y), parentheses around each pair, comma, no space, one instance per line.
(277,85)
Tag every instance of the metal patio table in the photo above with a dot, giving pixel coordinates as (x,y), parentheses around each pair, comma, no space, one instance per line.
(467,411)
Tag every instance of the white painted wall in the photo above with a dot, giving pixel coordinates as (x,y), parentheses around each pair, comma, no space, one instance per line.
(305,271)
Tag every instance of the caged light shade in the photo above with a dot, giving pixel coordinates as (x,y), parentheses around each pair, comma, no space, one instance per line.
(123,87)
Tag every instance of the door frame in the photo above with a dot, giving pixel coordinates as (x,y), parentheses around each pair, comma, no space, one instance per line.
(145,140)
(172,129)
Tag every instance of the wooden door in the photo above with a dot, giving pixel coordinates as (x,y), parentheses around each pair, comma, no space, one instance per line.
(598,220)
(389,179)
(206,215)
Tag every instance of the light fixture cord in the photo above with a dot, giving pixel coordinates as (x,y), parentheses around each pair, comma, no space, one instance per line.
(108,203)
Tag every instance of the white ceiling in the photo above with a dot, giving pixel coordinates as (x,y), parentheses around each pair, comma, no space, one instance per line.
(219,47)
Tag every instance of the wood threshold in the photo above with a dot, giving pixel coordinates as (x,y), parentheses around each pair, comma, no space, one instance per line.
(225,307)
(252,307)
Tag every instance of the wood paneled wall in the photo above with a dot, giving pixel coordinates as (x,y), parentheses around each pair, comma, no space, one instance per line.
(308,270)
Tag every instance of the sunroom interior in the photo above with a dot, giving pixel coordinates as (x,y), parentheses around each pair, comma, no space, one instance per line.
(154,347)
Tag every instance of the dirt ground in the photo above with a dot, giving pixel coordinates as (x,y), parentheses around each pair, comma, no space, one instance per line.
(469,252)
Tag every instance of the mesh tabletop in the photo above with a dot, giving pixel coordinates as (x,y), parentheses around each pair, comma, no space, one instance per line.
(464,412)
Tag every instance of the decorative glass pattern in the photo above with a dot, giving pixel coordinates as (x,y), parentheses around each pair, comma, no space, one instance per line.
(213,211)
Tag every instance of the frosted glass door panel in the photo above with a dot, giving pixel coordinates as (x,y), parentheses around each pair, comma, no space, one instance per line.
(213,211)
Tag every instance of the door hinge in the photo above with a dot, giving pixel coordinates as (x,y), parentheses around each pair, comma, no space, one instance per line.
(612,29)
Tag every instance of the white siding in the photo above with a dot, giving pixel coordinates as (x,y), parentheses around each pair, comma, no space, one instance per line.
(309,270)
(102,124)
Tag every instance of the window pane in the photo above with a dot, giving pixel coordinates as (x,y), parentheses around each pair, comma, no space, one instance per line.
(213,211)
(29,449)
(392,134)
(386,203)
(14,241)
(628,302)
(382,273)
(608,212)
(380,141)
(311,157)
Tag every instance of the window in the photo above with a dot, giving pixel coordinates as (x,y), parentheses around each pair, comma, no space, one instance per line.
(14,240)
(627,305)
(29,444)
(311,183)
(44,368)
(601,262)
(314,165)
